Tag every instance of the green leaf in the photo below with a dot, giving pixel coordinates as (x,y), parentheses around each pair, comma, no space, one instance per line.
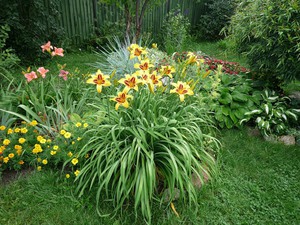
(237,96)
(225,110)
(225,98)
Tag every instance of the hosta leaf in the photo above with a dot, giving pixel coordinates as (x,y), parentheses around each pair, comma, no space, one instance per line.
(266,107)
(256,111)
(225,110)
(237,96)
(225,98)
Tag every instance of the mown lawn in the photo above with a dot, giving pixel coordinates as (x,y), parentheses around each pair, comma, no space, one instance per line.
(258,183)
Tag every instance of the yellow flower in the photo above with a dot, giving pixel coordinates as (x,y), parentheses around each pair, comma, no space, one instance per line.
(145,76)
(167,70)
(87,156)
(100,80)
(74,161)
(78,124)
(22,140)
(55,147)
(77,172)
(144,65)
(136,51)
(52,152)
(37,149)
(5,159)
(154,81)
(62,132)
(39,138)
(33,123)
(73,142)
(24,130)
(11,155)
(130,82)
(154,45)
(43,141)
(49,140)
(18,147)
(39,159)
(85,125)
(67,135)
(10,131)
(67,176)
(2,148)
(181,88)
(39,168)
(6,142)
(79,138)
(70,154)
(2,127)
(45,161)
(19,152)
(21,162)
(121,99)
(17,130)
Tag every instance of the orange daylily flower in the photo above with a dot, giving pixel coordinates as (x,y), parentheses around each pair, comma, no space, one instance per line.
(47,47)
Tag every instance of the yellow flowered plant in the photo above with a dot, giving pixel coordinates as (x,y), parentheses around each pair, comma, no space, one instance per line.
(167,70)
(144,65)
(100,80)
(136,51)
(121,100)
(182,89)
(130,82)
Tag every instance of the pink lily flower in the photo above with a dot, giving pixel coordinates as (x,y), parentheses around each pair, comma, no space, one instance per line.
(42,71)
(64,74)
(47,47)
(58,51)
(30,76)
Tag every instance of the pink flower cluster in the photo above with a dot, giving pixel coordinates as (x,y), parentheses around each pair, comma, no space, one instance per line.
(33,75)
(52,50)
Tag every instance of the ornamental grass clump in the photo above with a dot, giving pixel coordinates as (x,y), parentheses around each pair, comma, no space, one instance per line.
(154,138)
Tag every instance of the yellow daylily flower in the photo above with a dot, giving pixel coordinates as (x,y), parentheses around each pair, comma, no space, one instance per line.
(136,51)
(121,99)
(181,88)
(143,65)
(167,70)
(192,59)
(155,81)
(130,82)
(100,80)
(145,76)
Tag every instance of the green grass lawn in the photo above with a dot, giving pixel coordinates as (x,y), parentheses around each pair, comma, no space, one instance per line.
(258,183)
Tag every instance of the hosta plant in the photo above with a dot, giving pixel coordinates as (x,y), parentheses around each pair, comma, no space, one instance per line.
(273,115)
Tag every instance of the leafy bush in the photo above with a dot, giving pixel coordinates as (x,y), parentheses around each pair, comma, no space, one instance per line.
(175,31)
(267,32)
(214,15)
(228,97)
(273,114)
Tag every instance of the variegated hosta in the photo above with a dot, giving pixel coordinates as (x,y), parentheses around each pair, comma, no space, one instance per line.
(273,115)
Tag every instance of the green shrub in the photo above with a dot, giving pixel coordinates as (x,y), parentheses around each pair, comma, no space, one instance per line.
(175,31)
(267,32)
(214,15)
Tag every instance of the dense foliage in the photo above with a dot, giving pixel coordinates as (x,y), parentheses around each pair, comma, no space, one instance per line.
(31,24)
(267,32)
(214,15)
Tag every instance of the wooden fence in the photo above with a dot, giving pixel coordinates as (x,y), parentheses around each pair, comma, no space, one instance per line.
(80,18)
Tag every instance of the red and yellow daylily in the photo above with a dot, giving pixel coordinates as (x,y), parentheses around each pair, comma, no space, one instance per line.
(182,89)
(121,99)
(154,81)
(100,80)
(167,70)
(143,65)
(144,75)
(130,82)
(136,51)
